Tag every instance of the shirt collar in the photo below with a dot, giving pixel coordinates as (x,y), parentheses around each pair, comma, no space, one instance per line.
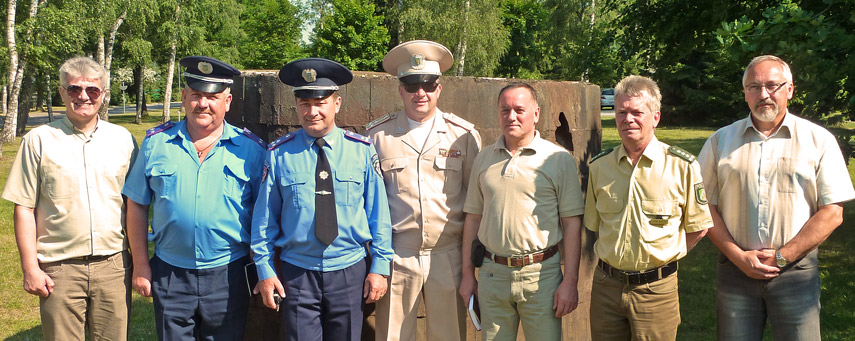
(500,143)
(332,138)
(74,129)
(785,129)
(652,152)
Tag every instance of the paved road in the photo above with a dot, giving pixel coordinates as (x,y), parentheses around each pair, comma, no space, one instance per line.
(38,118)
(607,112)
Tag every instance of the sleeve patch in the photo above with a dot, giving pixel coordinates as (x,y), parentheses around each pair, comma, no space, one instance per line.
(700,193)
(375,163)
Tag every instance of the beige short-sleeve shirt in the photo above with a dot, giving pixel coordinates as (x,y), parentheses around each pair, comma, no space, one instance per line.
(522,197)
(767,188)
(74,182)
(641,213)
(426,179)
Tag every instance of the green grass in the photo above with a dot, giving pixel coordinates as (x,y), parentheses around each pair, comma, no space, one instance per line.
(19,313)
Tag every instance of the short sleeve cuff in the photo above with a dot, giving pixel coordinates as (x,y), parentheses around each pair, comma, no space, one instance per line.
(137,198)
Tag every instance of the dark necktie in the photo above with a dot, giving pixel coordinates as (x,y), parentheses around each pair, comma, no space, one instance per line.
(326,223)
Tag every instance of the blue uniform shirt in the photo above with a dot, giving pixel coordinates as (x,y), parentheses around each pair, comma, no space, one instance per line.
(285,210)
(202,211)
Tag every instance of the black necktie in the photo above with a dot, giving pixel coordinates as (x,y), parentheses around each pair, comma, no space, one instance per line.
(326,223)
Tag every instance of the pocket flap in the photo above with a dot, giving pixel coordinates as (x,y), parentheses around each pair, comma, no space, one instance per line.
(238,171)
(665,208)
(448,163)
(294,179)
(163,169)
(393,163)
(350,176)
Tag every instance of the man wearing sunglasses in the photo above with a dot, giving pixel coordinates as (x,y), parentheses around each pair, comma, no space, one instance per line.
(776,184)
(426,156)
(66,184)
(201,177)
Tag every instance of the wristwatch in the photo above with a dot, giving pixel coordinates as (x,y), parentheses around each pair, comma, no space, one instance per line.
(782,262)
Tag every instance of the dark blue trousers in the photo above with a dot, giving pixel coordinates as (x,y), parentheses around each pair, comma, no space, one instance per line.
(323,305)
(200,304)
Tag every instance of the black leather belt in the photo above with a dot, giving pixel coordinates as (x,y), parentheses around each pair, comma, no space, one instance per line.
(638,277)
(520,261)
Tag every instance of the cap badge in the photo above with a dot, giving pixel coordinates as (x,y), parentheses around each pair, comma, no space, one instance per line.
(310,75)
(205,67)
(418,61)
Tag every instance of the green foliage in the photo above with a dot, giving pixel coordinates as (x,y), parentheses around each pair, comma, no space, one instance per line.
(527,55)
(352,35)
(272,34)
(451,24)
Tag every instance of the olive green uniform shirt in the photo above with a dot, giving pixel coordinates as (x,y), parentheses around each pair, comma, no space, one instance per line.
(74,181)
(521,197)
(642,213)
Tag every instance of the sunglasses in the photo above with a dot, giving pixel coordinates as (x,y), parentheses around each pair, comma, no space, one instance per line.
(76,90)
(428,87)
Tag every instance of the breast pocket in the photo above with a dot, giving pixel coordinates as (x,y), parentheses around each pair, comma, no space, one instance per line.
(237,186)
(163,179)
(393,169)
(609,205)
(295,189)
(662,220)
(60,183)
(794,173)
(349,188)
(451,168)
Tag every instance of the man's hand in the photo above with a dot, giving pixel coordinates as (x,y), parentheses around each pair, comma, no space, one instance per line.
(468,287)
(37,282)
(758,264)
(375,287)
(566,298)
(141,279)
(266,288)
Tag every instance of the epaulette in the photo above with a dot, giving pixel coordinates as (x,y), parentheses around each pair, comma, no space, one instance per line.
(682,153)
(246,132)
(159,129)
(285,138)
(456,120)
(601,154)
(354,136)
(379,121)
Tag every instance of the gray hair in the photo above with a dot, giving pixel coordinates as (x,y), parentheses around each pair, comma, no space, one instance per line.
(785,68)
(640,86)
(81,66)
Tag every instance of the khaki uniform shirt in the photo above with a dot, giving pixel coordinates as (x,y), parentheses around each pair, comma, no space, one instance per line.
(641,214)
(767,188)
(74,182)
(522,196)
(426,185)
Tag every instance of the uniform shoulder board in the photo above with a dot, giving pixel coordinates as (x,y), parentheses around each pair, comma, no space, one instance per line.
(601,154)
(285,138)
(682,153)
(379,121)
(354,136)
(246,132)
(159,129)
(456,120)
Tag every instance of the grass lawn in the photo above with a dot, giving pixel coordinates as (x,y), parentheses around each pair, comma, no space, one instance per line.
(19,313)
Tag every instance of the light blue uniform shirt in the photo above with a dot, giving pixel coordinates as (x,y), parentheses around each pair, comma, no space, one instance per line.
(285,210)
(202,211)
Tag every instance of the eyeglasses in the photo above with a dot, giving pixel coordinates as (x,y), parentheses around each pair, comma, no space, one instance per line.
(428,87)
(770,88)
(76,90)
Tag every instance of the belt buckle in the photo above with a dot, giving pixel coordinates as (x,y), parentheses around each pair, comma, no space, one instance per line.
(522,258)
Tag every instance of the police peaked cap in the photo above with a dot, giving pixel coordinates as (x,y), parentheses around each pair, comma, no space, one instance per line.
(314,77)
(208,74)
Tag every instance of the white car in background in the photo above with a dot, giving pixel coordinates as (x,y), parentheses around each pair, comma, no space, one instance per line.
(607,98)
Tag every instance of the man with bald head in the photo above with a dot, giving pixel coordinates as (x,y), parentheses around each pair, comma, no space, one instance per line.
(776,185)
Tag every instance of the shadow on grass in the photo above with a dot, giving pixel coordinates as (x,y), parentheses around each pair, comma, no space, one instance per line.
(141,324)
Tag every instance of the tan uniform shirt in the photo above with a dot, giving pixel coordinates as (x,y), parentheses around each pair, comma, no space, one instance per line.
(74,182)
(642,213)
(426,185)
(767,188)
(522,196)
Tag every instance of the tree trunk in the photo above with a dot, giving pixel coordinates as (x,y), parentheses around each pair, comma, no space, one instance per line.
(8,133)
(461,46)
(107,63)
(5,98)
(138,79)
(49,97)
(170,70)
(25,103)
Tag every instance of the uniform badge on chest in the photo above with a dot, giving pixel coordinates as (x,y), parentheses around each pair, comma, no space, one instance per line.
(449,152)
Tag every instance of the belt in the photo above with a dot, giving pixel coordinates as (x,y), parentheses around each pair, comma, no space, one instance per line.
(520,261)
(91,258)
(638,277)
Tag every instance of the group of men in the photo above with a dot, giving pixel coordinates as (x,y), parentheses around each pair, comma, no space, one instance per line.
(326,220)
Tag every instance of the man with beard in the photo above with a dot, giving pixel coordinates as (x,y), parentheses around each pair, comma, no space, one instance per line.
(66,184)
(776,184)
(202,176)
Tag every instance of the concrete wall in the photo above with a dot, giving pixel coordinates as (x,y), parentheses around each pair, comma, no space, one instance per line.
(570,116)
